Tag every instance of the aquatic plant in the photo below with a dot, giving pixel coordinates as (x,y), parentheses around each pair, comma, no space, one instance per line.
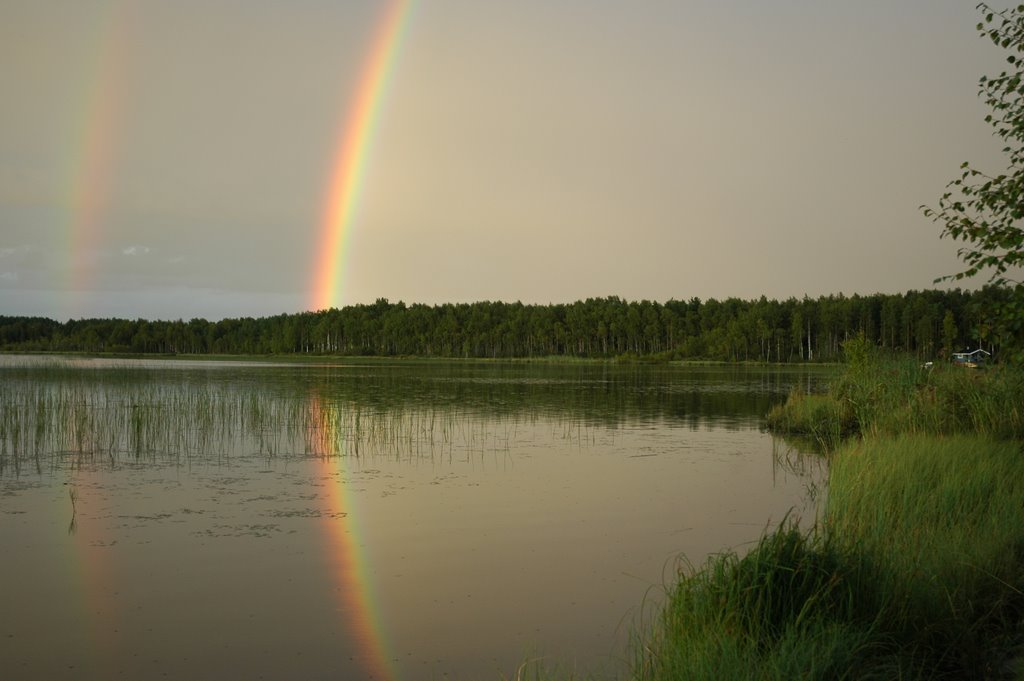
(58,416)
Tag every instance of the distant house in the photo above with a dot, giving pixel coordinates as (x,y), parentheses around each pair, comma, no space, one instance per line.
(972,359)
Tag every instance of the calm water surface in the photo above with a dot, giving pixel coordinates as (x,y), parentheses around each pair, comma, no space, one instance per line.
(212,520)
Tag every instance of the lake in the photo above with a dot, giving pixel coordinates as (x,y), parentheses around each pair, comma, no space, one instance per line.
(389,520)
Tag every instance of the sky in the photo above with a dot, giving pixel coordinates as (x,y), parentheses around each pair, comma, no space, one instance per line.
(172,159)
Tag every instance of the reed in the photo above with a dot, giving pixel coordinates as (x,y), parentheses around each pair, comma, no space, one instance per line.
(54,417)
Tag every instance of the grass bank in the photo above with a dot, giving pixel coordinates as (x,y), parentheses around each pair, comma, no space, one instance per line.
(913,572)
(915,568)
(895,397)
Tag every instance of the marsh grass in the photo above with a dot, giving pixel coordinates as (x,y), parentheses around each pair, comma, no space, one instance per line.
(914,572)
(821,419)
(63,416)
(904,398)
(915,566)
(941,518)
(788,609)
(890,397)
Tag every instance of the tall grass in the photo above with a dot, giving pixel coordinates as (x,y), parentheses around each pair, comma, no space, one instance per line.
(913,572)
(941,519)
(786,610)
(900,397)
(891,397)
(915,567)
(821,419)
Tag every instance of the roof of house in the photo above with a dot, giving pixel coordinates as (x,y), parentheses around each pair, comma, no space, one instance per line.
(971,353)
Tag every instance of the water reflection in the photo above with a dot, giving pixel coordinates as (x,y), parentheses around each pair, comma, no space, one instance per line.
(390,521)
(67,414)
(347,562)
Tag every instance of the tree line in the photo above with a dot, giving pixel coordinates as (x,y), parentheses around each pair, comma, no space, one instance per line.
(929,324)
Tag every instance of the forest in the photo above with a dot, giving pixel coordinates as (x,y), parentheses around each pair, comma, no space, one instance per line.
(929,324)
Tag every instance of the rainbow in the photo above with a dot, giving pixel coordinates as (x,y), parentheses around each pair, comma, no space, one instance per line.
(92,145)
(347,560)
(349,166)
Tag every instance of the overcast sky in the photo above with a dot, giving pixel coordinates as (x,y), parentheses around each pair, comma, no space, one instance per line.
(170,158)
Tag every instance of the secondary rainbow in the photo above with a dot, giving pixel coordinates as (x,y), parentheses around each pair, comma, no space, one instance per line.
(92,147)
(95,117)
(348,169)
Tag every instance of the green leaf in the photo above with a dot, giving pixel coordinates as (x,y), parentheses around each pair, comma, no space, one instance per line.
(983,211)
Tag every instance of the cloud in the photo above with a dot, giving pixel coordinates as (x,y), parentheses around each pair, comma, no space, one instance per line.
(10,251)
(136,250)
